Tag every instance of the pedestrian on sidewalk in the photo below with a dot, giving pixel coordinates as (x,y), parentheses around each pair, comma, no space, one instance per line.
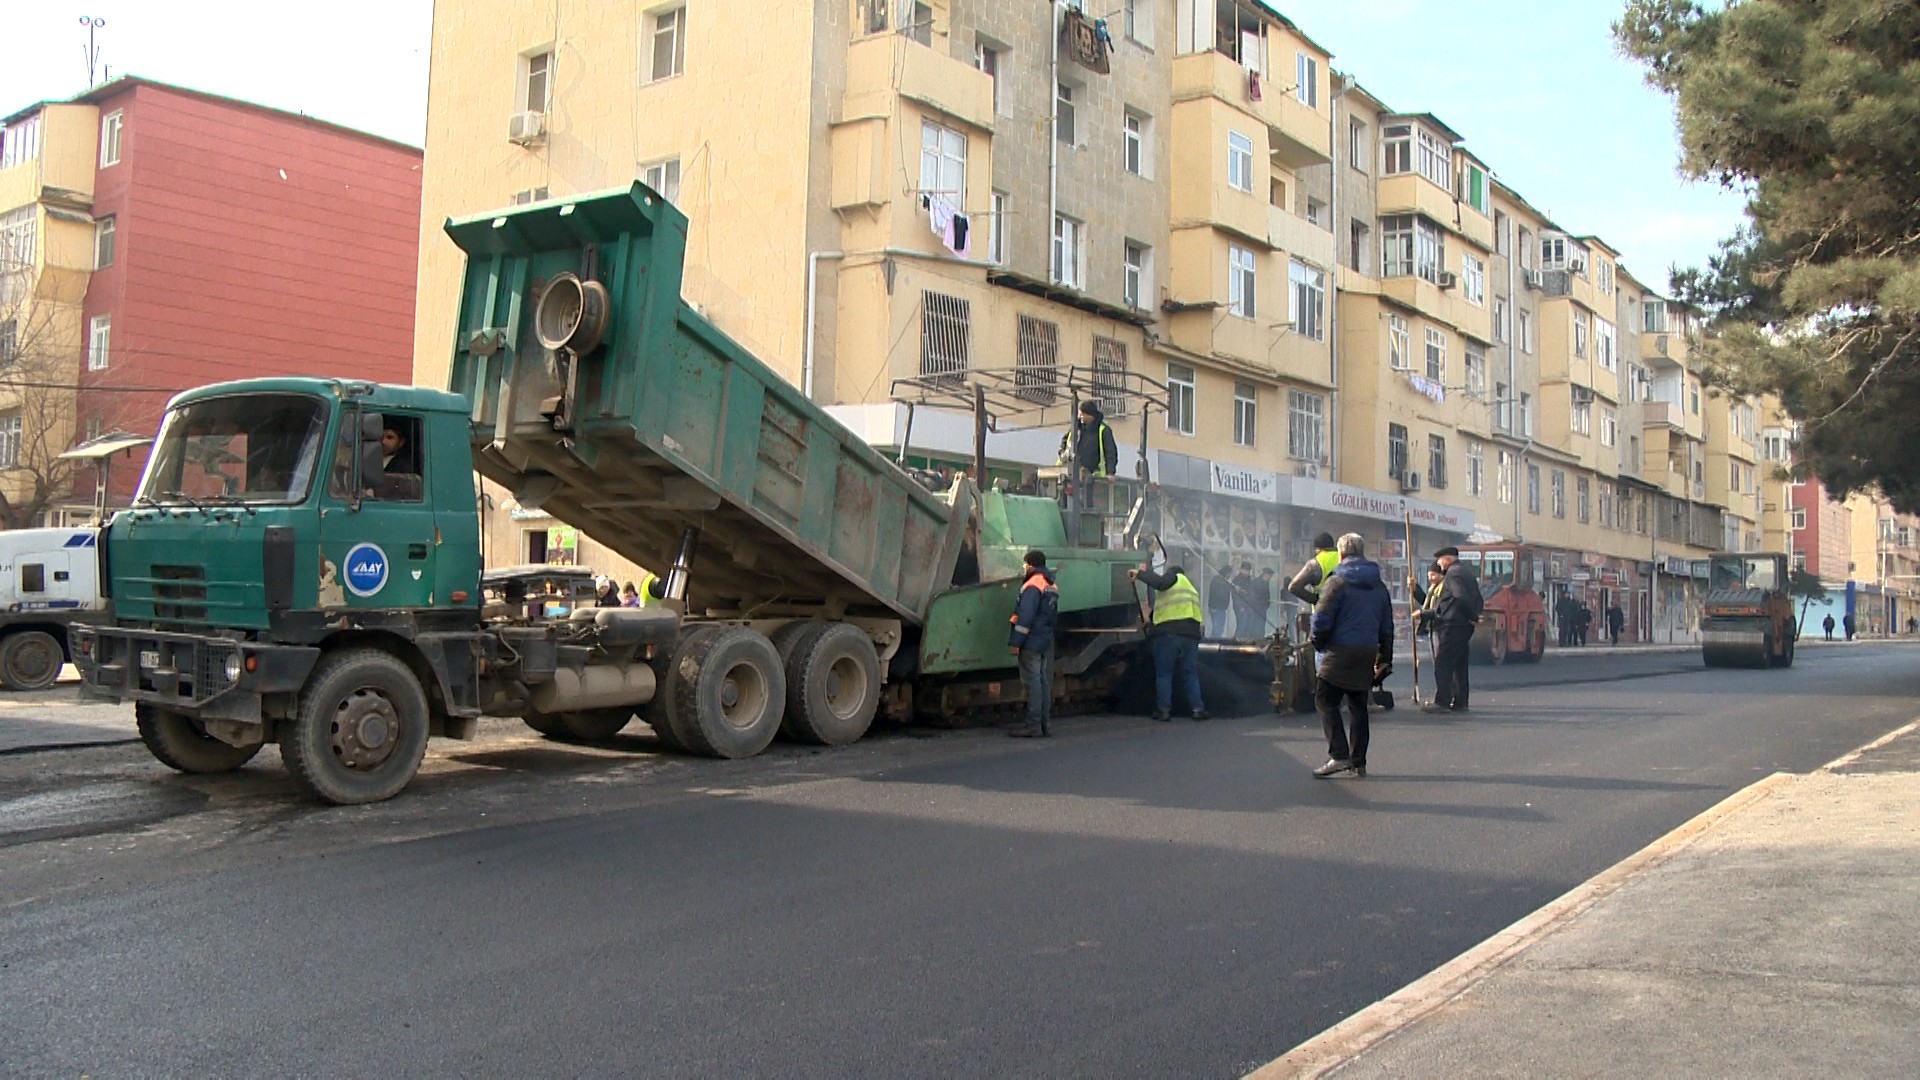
(1261,601)
(1827,624)
(1616,620)
(1848,624)
(1173,638)
(1031,640)
(1219,595)
(1455,614)
(1246,621)
(1353,633)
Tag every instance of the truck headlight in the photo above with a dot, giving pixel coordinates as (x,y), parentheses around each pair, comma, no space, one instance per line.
(232,667)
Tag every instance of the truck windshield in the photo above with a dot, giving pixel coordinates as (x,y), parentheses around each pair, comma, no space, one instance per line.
(246,448)
(1733,572)
(1496,570)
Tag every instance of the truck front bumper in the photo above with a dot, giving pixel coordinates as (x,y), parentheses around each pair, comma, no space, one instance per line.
(205,677)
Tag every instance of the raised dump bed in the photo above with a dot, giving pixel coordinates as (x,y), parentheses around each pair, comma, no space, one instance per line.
(601,397)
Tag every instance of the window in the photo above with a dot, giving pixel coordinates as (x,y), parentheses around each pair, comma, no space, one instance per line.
(1502,324)
(9,341)
(1607,517)
(1582,507)
(997,229)
(1502,233)
(103,243)
(1435,159)
(1109,371)
(1526,331)
(1239,162)
(1503,478)
(943,163)
(1316,211)
(1410,244)
(10,440)
(20,142)
(986,57)
(1526,413)
(1240,34)
(110,131)
(1474,190)
(1066,251)
(1639,384)
(1476,468)
(944,334)
(1798,519)
(1134,136)
(1606,278)
(1559,494)
(529,195)
(1654,314)
(669,44)
(536,82)
(1581,331)
(1609,353)
(1063,114)
(1139,20)
(1525,245)
(1473,280)
(1398,144)
(1309,300)
(1436,461)
(1306,80)
(1396,451)
(1774,448)
(1693,398)
(1533,488)
(1399,343)
(1502,407)
(1476,371)
(1553,251)
(919,24)
(1134,276)
(1633,453)
(1609,426)
(1180,395)
(1241,285)
(1733,478)
(1306,416)
(876,15)
(1357,155)
(99,340)
(1436,355)
(1580,420)
(1037,356)
(1245,401)
(1357,231)
(664,177)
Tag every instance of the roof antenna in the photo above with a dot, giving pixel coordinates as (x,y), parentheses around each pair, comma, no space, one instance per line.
(92,51)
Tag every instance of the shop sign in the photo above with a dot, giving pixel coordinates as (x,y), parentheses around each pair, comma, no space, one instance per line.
(1580,576)
(1244,482)
(1699,568)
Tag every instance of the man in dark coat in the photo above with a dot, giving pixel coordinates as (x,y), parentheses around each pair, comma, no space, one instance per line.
(1219,596)
(1454,616)
(1616,621)
(1353,633)
(1247,619)
(1827,624)
(1031,639)
(1260,600)
(1094,450)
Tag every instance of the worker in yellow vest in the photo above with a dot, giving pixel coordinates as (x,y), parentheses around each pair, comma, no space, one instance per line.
(1174,638)
(651,589)
(1306,584)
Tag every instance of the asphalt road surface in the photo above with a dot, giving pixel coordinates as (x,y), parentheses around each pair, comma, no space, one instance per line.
(1125,899)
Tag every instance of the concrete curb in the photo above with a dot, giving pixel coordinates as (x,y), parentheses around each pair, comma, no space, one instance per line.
(1346,1040)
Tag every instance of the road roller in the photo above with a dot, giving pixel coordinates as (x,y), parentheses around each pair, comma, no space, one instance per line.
(1747,619)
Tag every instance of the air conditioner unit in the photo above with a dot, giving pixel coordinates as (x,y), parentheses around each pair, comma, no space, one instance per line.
(1308,469)
(1577,265)
(1532,279)
(1447,279)
(527,128)
(1410,482)
(1583,395)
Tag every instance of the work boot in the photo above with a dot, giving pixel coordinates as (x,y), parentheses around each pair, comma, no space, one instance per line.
(1201,714)
(1333,767)
(1025,731)
(1162,715)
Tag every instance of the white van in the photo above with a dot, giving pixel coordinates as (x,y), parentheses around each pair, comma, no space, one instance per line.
(48,579)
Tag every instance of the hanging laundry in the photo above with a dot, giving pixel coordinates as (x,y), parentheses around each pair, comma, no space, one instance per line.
(959,241)
(940,212)
(1081,40)
(1253,86)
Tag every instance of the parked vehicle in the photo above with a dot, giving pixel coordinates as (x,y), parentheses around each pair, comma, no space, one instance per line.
(1513,618)
(47,581)
(278,579)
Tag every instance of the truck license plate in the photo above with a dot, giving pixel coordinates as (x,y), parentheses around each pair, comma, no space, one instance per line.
(149,658)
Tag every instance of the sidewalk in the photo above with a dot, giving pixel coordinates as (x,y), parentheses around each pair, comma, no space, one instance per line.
(1778,934)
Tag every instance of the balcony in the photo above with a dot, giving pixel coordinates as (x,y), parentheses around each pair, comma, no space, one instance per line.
(1446,305)
(1299,237)
(884,65)
(1665,348)
(1299,135)
(1662,414)
(1411,193)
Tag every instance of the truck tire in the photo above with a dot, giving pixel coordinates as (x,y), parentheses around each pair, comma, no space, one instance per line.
(180,745)
(30,660)
(360,729)
(596,725)
(546,724)
(730,693)
(786,640)
(833,685)
(658,713)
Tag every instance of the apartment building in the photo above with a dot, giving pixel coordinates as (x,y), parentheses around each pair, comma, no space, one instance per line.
(154,238)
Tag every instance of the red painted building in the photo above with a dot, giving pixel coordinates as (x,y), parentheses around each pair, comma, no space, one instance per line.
(245,241)
(1820,533)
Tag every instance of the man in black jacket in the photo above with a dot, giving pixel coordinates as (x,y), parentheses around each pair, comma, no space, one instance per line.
(1094,449)
(1454,615)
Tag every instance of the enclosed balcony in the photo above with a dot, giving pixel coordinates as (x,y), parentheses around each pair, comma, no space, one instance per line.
(1298,135)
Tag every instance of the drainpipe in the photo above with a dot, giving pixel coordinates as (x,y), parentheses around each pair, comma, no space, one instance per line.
(806,353)
(1053,127)
(1333,283)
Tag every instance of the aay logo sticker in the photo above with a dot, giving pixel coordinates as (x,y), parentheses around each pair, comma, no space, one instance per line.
(366,569)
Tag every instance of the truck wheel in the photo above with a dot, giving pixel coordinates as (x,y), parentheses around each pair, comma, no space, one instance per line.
(730,694)
(786,641)
(30,660)
(659,713)
(833,685)
(360,729)
(546,724)
(596,725)
(180,745)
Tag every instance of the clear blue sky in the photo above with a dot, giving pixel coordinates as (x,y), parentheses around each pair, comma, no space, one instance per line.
(1533,86)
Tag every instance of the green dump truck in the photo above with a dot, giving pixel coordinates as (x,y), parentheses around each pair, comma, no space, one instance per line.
(302,563)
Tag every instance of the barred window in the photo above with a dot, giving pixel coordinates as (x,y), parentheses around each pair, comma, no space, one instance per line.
(943,334)
(1038,353)
(1109,383)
